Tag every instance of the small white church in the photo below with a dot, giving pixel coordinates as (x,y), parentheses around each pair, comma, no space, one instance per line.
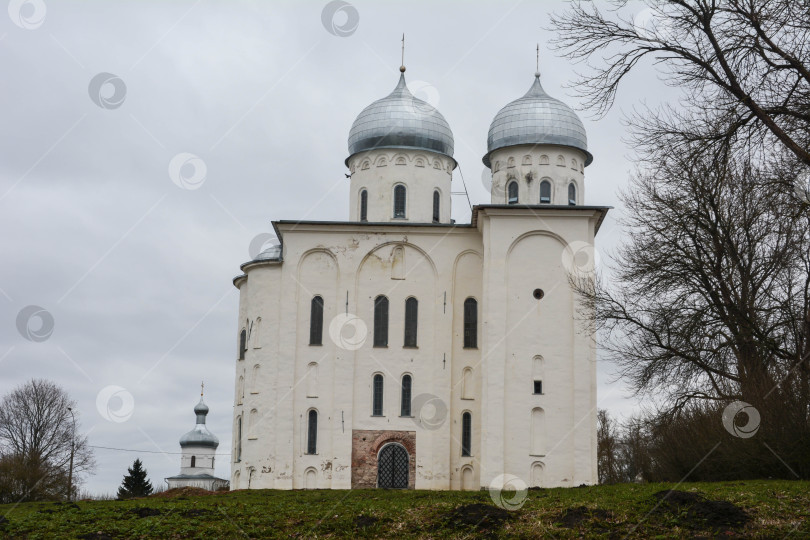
(400,349)
(198,454)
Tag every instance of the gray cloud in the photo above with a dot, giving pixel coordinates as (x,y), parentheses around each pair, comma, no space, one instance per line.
(135,270)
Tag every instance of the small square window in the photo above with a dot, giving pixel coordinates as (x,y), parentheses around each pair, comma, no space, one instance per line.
(538,387)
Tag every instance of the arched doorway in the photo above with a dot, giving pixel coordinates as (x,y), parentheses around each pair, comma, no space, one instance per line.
(310,479)
(392,467)
(467,478)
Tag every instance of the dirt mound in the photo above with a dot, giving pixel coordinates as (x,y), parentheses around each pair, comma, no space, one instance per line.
(194,512)
(700,511)
(95,536)
(145,511)
(484,517)
(572,517)
(3,521)
(183,492)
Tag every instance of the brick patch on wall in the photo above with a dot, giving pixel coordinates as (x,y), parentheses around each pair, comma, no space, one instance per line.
(365,446)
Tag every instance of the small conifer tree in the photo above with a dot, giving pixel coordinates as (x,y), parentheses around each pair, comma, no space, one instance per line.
(135,483)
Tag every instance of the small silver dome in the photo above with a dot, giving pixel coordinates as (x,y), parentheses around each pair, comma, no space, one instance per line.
(273,253)
(401,120)
(537,118)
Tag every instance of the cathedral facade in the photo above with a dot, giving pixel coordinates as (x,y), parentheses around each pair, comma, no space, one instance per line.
(399,349)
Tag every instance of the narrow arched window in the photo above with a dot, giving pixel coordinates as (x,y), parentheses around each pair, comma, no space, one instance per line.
(312,432)
(405,408)
(411,319)
(316,321)
(436,203)
(512,193)
(193,461)
(377,400)
(239,439)
(381,321)
(545,192)
(470,323)
(572,194)
(399,201)
(364,205)
(242,344)
(466,434)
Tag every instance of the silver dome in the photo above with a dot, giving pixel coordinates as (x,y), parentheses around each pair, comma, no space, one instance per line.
(537,118)
(200,436)
(401,120)
(273,253)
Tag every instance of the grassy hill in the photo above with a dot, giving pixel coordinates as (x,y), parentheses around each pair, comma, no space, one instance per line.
(750,509)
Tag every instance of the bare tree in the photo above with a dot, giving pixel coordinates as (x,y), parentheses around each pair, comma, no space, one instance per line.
(743,64)
(36,432)
(607,453)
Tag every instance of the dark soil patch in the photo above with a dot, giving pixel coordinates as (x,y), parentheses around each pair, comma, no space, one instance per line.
(144,511)
(571,518)
(361,522)
(702,512)
(3,521)
(95,536)
(484,517)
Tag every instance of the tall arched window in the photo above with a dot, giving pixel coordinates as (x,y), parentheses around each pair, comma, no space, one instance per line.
(572,194)
(411,319)
(405,408)
(377,398)
(239,439)
(381,321)
(253,423)
(470,323)
(312,432)
(399,201)
(242,344)
(193,461)
(364,205)
(545,192)
(316,321)
(538,427)
(512,193)
(466,434)
(436,204)
(466,383)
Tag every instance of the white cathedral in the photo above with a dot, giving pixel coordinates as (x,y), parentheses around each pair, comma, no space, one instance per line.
(399,349)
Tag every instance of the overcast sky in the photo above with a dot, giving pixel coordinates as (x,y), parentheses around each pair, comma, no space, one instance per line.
(134,269)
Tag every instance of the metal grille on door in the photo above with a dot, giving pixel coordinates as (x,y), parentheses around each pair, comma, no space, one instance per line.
(392,467)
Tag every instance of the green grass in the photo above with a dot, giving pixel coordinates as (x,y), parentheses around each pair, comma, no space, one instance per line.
(776,509)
